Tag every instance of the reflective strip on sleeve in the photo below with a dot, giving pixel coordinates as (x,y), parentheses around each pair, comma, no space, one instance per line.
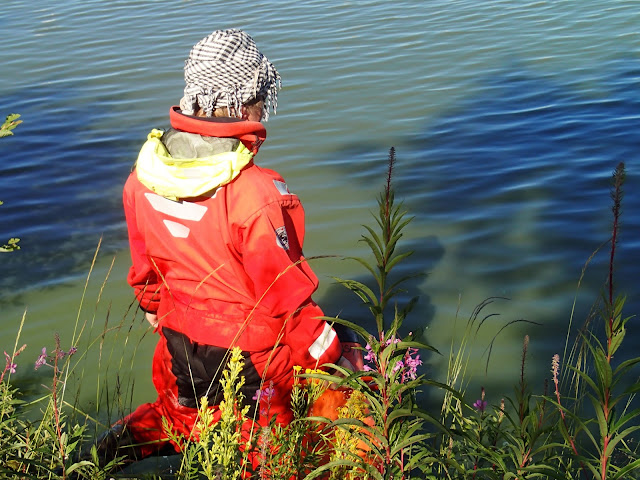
(323,342)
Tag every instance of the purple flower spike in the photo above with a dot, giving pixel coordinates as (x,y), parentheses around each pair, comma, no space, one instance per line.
(480,405)
(269,391)
(265,394)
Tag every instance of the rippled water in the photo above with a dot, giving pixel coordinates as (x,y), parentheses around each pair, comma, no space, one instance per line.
(507,117)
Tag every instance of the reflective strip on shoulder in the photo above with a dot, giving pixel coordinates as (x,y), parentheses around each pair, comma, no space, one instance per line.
(179,209)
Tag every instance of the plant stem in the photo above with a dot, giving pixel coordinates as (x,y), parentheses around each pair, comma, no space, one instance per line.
(616,194)
(56,411)
(386,230)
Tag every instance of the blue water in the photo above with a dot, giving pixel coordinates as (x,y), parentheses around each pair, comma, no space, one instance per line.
(507,117)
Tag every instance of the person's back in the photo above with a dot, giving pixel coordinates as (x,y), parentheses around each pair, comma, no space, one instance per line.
(216,243)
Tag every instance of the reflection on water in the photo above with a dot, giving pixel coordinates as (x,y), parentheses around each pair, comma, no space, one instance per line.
(507,119)
(510,192)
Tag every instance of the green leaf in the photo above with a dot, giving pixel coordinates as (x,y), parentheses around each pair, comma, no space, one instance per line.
(421,459)
(378,220)
(373,248)
(379,245)
(399,227)
(626,319)
(366,265)
(415,344)
(82,463)
(616,340)
(404,279)
(370,470)
(619,437)
(420,413)
(594,469)
(633,388)
(617,310)
(391,243)
(408,307)
(602,422)
(361,331)
(584,377)
(408,441)
(385,357)
(624,472)
(9,124)
(360,289)
(603,369)
(635,414)
(396,259)
(626,365)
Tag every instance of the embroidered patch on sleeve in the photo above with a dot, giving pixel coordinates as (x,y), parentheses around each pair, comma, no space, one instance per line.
(282,238)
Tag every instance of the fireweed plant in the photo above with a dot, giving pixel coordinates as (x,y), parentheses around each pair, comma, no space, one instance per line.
(605,438)
(390,427)
(589,432)
(582,424)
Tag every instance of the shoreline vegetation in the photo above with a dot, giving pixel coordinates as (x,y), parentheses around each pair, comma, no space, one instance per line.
(583,423)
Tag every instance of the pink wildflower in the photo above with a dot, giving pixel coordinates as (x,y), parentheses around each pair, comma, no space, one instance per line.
(370,356)
(264,396)
(42,358)
(10,366)
(398,366)
(412,364)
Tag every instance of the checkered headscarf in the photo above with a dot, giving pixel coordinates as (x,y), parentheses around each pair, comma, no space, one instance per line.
(226,69)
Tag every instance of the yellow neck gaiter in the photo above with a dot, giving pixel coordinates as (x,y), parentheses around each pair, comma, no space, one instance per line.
(185,178)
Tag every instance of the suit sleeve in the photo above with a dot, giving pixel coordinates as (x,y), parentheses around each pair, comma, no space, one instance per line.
(283,282)
(142,277)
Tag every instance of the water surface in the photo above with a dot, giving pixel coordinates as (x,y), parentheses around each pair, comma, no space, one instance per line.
(507,118)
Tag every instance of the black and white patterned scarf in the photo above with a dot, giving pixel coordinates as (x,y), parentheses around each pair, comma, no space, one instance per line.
(226,69)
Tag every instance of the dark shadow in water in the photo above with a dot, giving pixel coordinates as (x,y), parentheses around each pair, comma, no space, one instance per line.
(524,164)
(341,302)
(62,183)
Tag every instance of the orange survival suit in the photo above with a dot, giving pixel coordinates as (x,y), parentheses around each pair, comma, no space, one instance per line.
(216,244)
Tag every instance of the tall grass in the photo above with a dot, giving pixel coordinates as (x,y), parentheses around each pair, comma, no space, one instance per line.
(42,435)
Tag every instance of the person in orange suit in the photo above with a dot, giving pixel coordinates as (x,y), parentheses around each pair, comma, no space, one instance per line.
(216,244)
